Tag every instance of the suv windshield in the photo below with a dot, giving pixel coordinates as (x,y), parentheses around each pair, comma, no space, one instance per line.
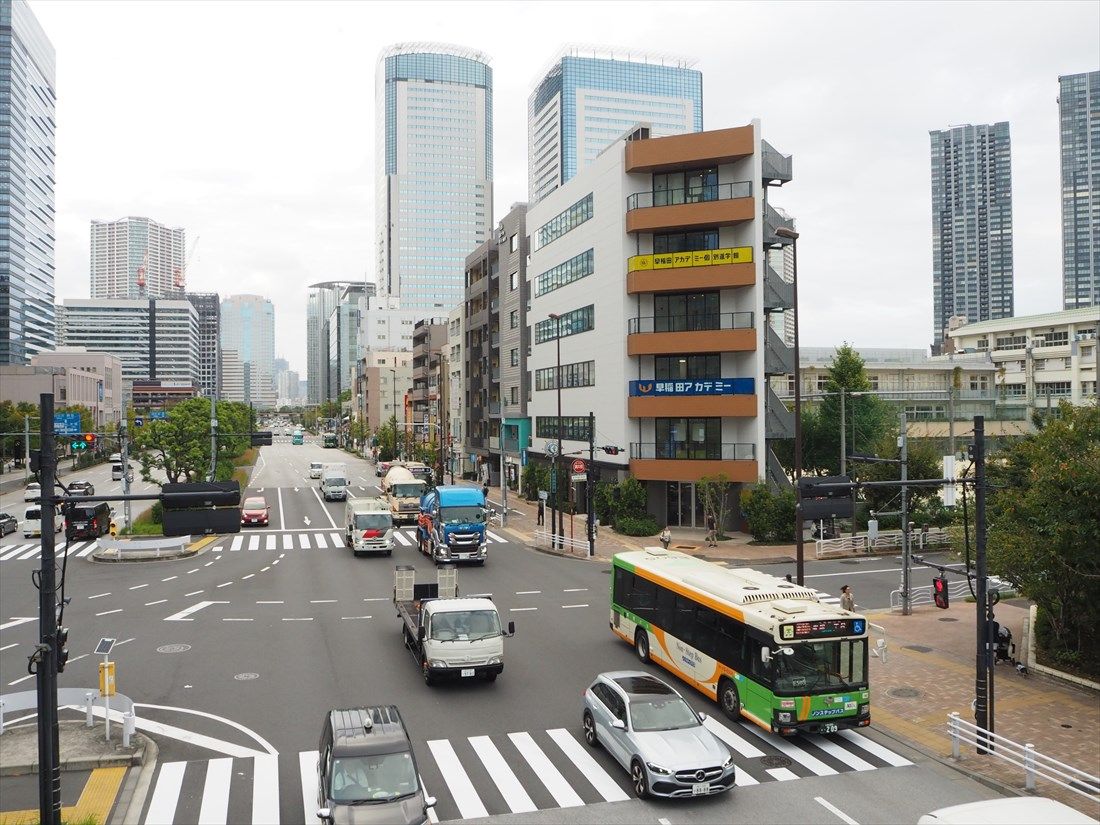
(662,714)
(463,515)
(465,625)
(821,667)
(373,521)
(382,777)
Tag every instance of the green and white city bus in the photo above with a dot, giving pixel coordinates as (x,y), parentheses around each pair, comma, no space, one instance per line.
(762,647)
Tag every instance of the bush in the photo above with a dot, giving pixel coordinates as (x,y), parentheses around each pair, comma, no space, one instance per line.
(156,513)
(643,525)
(631,500)
(770,517)
(603,501)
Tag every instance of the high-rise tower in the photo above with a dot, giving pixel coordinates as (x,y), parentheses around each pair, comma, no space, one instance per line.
(248,328)
(136,258)
(1079,112)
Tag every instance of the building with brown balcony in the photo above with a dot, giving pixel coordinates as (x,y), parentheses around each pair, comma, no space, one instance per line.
(429,338)
(652,291)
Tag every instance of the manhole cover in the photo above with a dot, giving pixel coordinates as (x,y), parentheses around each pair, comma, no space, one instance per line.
(775,762)
(918,648)
(244,677)
(948,619)
(173,648)
(904,693)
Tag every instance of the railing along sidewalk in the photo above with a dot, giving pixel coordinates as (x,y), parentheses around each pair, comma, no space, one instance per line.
(544,538)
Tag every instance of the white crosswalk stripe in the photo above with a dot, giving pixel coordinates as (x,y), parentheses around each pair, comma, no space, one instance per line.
(253,542)
(401,538)
(11,553)
(337,539)
(482,775)
(88,550)
(320,540)
(303,541)
(270,543)
(32,553)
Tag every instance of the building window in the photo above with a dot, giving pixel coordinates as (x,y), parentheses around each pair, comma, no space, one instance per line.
(874,382)
(515,394)
(822,382)
(685,187)
(1013,390)
(574,427)
(685,311)
(513,281)
(570,219)
(685,241)
(979,382)
(679,438)
(581,374)
(687,367)
(574,269)
(1010,342)
(570,323)
(513,243)
(514,357)
(513,319)
(1054,339)
(1054,389)
(983,344)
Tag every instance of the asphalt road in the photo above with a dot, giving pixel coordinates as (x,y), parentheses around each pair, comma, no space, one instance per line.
(235,655)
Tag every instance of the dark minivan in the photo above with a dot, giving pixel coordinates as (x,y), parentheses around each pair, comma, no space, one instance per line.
(366,770)
(88,521)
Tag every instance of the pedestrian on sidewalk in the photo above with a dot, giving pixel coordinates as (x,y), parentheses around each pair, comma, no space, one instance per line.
(847,600)
(666,538)
(542,513)
(712,532)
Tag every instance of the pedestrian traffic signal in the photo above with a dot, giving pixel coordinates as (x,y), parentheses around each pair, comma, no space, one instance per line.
(939,592)
(60,648)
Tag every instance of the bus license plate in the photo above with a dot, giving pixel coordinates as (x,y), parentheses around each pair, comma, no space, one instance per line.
(469,671)
(829,728)
(700,789)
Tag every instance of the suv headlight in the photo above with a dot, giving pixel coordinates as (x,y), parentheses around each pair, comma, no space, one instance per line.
(657,769)
(728,763)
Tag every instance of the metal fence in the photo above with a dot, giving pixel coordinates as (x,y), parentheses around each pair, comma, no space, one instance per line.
(955,590)
(886,541)
(1034,764)
(543,538)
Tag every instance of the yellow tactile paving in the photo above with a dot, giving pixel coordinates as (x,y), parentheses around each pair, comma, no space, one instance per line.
(96,800)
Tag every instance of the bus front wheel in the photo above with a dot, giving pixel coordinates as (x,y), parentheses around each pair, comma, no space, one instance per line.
(729,699)
(641,644)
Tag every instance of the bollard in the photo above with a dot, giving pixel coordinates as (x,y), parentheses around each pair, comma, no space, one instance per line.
(954,723)
(89,697)
(1029,766)
(129,723)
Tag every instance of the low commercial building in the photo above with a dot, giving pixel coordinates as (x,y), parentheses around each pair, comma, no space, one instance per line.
(70,387)
(383,382)
(108,408)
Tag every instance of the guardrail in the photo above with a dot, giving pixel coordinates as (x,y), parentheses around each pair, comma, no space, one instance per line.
(1035,764)
(923,595)
(543,538)
(887,541)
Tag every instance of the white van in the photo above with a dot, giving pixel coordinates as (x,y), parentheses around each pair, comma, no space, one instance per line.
(334,482)
(368,526)
(315,469)
(116,471)
(32,522)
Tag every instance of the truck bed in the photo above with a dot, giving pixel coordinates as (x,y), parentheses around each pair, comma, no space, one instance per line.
(410,614)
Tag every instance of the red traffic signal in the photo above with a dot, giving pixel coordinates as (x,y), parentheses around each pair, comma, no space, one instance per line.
(610,449)
(939,592)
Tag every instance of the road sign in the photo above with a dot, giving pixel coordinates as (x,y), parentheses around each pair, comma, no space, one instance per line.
(139,421)
(158,415)
(579,477)
(579,467)
(66,423)
(551,448)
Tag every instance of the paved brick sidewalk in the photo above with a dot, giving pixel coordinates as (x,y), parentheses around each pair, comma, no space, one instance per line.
(930,672)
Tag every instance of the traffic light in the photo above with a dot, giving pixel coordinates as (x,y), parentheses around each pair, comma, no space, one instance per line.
(262,439)
(84,441)
(826,497)
(610,449)
(939,592)
(89,441)
(60,648)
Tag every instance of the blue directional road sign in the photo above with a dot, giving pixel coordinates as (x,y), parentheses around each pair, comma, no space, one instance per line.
(139,421)
(66,423)
(158,415)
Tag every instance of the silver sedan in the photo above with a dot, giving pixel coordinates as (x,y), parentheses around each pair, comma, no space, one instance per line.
(655,735)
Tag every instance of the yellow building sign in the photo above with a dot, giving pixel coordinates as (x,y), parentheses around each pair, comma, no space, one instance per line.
(675,260)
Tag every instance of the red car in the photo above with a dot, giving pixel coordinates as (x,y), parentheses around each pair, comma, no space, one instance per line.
(255,510)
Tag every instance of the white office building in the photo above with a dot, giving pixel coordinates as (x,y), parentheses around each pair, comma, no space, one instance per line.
(136,258)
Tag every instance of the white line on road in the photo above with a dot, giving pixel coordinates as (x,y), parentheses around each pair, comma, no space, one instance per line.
(18,620)
(189,572)
(796,753)
(208,564)
(288,542)
(527,592)
(567,606)
(159,601)
(298,619)
(495,537)
(372,599)
(225,584)
(828,806)
(742,746)
(324,509)
(604,784)
(782,774)
(272,602)
(166,793)
(454,774)
(253,542)
(842,755)
(852,573)
(21,679)
(265,569)
(515,797)
(265,790)
(99,595)
(322,601)
(574,590)
(215,792)
(139,586)
(521,609)
(249,576)
(123,642)
(236,620)
(269,543)
(875,749)
(109,612)
(169,578)
(183,614)
(8,647)
(282,523)
(348,618)
(307,767)
(192,593)
(303,541)
(235,545)
(544,769)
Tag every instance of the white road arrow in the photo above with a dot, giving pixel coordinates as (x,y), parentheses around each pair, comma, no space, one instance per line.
(306,520)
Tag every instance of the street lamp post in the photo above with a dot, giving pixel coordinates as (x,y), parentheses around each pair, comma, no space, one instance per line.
(800,560)
(555,517)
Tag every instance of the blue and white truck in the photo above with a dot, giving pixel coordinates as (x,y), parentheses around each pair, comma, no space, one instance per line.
(451,526)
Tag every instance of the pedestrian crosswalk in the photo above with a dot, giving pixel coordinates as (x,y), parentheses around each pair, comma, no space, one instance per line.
(486,775)
(33,550)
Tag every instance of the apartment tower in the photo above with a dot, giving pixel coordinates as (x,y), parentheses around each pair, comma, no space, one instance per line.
(1079,112)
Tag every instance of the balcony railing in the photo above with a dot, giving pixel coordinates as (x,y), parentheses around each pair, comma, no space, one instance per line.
(693,451)
(494,408)
(691,194)
(697,322)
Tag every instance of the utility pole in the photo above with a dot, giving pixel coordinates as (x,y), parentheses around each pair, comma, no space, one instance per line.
(124,456)
(503,483)
(951,417)
(49,766)
(214,436)
(843,446)
(588,496)
(983,683)
(903,442)
(26,449)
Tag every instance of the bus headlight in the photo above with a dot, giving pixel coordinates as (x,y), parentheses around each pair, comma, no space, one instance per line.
(784,717)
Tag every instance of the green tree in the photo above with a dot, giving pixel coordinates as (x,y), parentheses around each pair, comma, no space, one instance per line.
(924,462)
(179,445)
(770,516)
(867,416)
(714,491)
(387,440)
(535,477)
(1044,529)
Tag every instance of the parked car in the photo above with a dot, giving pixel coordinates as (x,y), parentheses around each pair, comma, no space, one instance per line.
(81,488)
(367,769)
(650,730)
(255,510)
(33,491)
(8,524)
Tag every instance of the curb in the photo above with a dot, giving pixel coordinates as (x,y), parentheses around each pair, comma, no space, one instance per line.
(84,763)
(192,549)
(132,797)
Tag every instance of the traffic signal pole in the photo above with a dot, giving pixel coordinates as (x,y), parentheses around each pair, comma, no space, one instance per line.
(124,453)
(588,485)
(45,655)
(983,680)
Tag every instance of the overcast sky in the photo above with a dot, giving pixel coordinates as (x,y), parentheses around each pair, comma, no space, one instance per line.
(251,124)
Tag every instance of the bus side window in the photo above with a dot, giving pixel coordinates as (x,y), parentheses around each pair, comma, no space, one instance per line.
(620,593)
(645,598)
(684,626)
(760,671)
(666,611)
(732,635)
(706,631)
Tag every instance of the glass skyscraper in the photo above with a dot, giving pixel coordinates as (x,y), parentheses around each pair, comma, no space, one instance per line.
(585,101)
(248,328)
(434,171)
(1079,112)
(27,100)
(971,225)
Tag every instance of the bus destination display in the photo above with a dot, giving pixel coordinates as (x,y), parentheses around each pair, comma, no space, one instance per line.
(822,629)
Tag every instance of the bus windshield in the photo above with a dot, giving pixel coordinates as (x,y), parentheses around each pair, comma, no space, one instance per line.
(821,667)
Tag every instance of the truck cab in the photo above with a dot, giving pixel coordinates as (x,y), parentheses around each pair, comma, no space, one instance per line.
(368,526)
(403,491)
(334,482)
(451,526)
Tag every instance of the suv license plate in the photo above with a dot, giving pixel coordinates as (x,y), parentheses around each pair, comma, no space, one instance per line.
(467,671)
(700,789)
(829,728)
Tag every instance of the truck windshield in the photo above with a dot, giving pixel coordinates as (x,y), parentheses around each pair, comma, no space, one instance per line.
(822,667)
(408,490)
(335,481)
(366,780)
(463,515)
(373,521)
(465,625)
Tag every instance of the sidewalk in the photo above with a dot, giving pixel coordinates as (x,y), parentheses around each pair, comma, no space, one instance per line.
(930,673)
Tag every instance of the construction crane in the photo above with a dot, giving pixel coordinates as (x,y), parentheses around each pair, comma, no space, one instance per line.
(181,274)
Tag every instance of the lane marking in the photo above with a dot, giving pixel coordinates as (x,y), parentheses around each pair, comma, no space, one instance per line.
(249,576)
(282,524)
(18,620)
(270,543)
(601,781)
(402,538)
(109,612)
(322,601)
(875,749)
(215,792)
(90,548)
(307,767)
(782,774)
(348,618)
(265,790)
(324,509)
(265,569)
(336,539)
(8,647)
(235,545)
(298,619)
(224,584)
(574,590)
(321,541)
(189,572)
(237,620)
(454,774)
(853,573)
(21,679)
(138,586)
(527,592)
(842,754)
(521,609)
(159,601)
(288,541)
(166,793)
(99,595)
(828,806)
(567,606)
(544,769)
(515,797)
(173,732)
(495,537)
(253,542)
(272,602)
(372,599)
(192,593)
(182,616)
(169,578)
(303,541)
